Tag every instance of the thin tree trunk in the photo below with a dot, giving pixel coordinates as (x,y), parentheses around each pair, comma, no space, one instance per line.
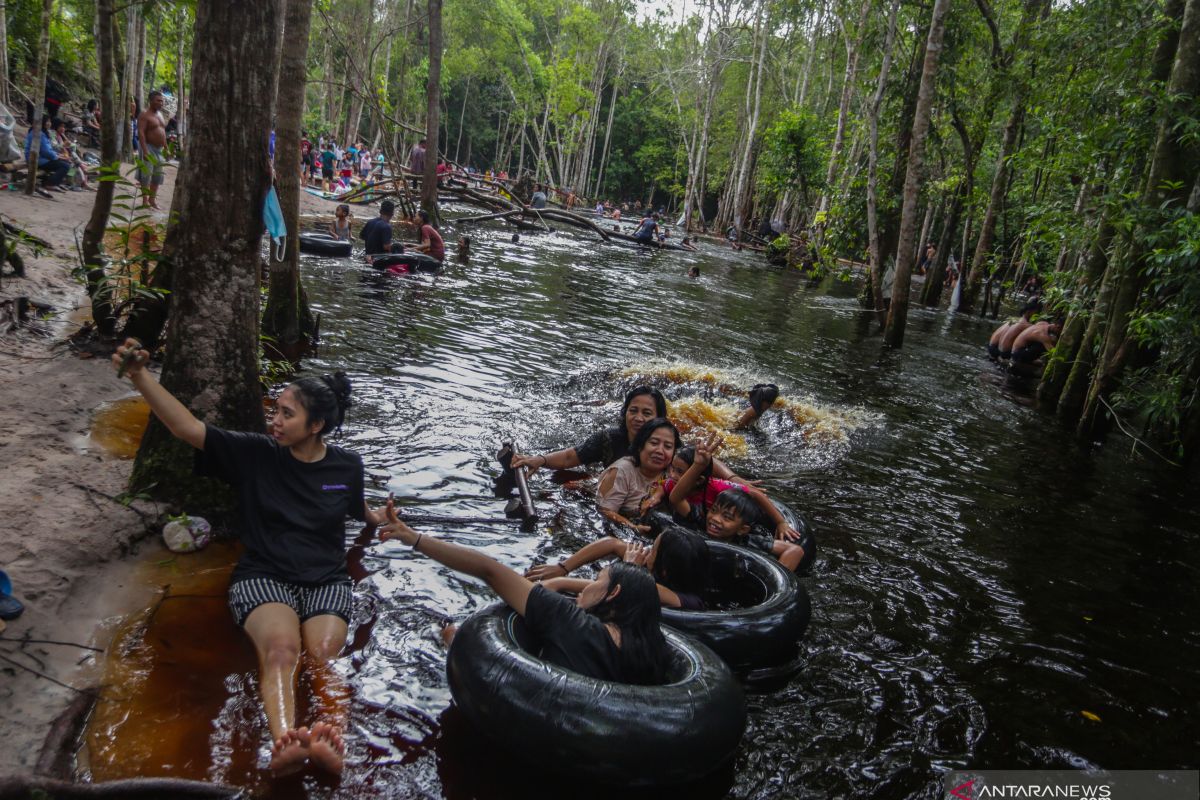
(839,136)
(93,232)
(213,245)
(876,265)
(286,317)
(898,310)
(612,107)
(157,47)
(181,75)
(39,97)
(462,118)
(4,52)
(433,96)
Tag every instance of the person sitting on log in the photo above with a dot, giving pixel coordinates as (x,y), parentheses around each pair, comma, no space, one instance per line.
(647,230)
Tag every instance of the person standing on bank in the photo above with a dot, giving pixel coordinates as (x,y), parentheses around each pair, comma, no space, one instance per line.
(290,590)
(152,138)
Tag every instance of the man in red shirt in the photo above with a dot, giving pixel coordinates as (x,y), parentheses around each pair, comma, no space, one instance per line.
(431,240)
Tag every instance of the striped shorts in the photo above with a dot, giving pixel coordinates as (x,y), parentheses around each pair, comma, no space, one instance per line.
(335,598)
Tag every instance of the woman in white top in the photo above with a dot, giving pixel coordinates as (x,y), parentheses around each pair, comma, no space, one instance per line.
(634,484)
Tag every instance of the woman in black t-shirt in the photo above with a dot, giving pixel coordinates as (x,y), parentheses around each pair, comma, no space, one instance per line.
(610,632)
(290,591)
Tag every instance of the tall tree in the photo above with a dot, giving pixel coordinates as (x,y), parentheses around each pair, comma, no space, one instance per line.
(898,310)
(873,245)
(39,96)
(214,242)
(93,232)
(433,108)
(287,318)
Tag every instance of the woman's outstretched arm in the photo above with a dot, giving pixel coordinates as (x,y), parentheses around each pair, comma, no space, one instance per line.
(512,588)
(174,414)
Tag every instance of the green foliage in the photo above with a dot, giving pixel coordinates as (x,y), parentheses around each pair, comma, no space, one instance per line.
(793,157)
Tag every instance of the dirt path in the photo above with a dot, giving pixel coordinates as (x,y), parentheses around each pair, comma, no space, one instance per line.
(62,536)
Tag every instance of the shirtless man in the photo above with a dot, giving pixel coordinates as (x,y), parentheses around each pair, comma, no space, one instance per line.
(1001,343)
(1035,341)
(152,138)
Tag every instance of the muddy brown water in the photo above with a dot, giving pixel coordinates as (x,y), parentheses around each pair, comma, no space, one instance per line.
(988,594)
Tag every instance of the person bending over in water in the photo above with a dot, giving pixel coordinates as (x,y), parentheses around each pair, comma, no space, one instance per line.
(1001,343)
(340,229)
(691,489)
(290,590)
(1035,341)
(611,632)
(642,404)
(678,560)
(634,484)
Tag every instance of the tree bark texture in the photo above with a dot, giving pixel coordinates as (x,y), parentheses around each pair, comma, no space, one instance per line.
(898,310)
(433,96)
(93,232)
(215,241)
(39,96)
(4,52)
(873,247)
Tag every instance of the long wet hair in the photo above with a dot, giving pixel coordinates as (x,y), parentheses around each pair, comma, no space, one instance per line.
(637,613)
(660,402)
(682,561)
(644,434)
(324,398)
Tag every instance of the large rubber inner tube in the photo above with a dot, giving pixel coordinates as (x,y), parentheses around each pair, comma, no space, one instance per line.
(758,610)
(322,244)
(615,733)
(406,262)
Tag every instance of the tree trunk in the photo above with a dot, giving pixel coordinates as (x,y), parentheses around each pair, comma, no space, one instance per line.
(876,274)
(39,97)
(839,136)
(180,75)
(433,108)
(93,232)
(214,243)
(4,53)
(287,317)
(898,310)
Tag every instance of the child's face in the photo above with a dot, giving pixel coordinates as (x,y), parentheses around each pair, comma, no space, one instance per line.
(724,522)
(678,467)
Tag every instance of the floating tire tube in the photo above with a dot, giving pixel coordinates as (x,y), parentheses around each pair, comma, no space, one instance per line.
(403,263)
(613,733)
(771,609)
(322,244)
(807,540)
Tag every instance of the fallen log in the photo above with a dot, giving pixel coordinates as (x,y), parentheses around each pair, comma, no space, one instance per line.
(573,219)
(29,786)
(484,217)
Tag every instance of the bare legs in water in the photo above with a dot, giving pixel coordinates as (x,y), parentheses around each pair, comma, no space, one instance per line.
(278,639)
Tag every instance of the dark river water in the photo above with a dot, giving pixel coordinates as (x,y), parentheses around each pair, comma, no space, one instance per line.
(987,594)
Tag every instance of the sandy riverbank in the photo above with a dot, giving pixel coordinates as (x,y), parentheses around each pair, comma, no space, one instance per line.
(63,540)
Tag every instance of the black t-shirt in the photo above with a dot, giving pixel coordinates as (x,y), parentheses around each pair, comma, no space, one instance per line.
(571,637)
(292,513)
(603,447)
(377,233)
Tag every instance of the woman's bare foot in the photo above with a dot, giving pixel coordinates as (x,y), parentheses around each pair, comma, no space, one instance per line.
(328,751)
(290,752)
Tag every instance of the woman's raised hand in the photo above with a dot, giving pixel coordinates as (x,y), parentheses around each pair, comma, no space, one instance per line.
(130,358)
(636,553)
(396,528)
(707,450)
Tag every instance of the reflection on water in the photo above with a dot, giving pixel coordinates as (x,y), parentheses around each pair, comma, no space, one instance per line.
(982,581)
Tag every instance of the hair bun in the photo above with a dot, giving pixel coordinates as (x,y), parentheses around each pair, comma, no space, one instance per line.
(339,384)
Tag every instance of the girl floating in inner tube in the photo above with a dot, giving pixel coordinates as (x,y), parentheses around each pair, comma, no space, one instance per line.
(678,560)
(693,506)
(290,590)
(610,632)
(729,511)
